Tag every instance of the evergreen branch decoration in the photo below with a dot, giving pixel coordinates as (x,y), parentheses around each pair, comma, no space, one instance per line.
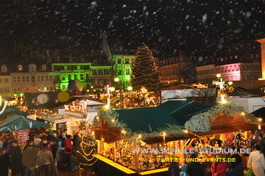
(171,131)
(202,122)
(110,117)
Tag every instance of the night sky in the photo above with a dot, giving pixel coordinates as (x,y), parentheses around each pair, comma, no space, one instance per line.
(194,27)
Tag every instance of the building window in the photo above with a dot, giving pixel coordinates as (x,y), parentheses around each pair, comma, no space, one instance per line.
(43,67)
(3,68)
(20,67)
(82,76)
(32,68)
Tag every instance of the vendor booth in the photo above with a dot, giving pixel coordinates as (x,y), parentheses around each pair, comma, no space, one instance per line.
(148,136)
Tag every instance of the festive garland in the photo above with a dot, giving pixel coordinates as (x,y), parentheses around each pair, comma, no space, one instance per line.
(202,122)
(110,117)
(171,131)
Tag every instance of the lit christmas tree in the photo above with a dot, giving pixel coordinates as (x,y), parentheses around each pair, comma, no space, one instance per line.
(144,71)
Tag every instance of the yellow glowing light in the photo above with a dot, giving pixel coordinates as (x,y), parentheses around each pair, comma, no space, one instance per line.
(260,119)
(243,113)
(112,89)
(123,131)
(130,88)
(106,107)
(186,131)
(112,120)
(116,79)
(218,75)
(259,127)
(164,134)
(223,101)
(230,83)
(139,136)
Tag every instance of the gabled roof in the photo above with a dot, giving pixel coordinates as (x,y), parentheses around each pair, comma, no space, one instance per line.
(17,122)
(151,119)
(259,113)
(183,114)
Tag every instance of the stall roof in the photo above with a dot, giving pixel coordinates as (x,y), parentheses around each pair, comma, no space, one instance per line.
(151,119)
(10,110)
(260,113)
(184,113)
(17,122)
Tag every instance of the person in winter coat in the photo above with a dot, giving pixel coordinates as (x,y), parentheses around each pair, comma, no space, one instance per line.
(29,158)
(45,160)
(4,162)
(183,170)
(68,149)
(55,149)
(173,169)
(256,161)
(218,168)
(194,168)
(236,168)
(15,158)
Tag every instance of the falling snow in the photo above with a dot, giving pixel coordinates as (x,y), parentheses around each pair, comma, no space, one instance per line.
(169,27)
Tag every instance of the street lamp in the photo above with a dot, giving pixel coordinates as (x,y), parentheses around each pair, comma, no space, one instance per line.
(116,79)
(130,88)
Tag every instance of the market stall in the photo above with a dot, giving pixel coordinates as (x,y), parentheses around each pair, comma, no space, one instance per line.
(149,149)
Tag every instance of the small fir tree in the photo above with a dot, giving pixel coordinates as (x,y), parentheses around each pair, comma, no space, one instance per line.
(144,71)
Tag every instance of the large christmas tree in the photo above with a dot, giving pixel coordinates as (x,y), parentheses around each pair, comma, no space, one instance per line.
(144,71)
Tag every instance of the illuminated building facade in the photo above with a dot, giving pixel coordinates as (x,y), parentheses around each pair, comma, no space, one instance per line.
(92,77)
(25,77)
(122,68)
(262,45)
(5,82)
(230,72)
(176,70)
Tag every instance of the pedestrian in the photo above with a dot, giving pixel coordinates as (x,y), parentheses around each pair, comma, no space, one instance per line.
(62,137)
(55,149)
(77,140)
(15,159)
(235,168)
(256,161)
(218,168)
(29,158)
(173,169)
(45,160)
(68,150)
(183,170)
(194,168)
(4,162)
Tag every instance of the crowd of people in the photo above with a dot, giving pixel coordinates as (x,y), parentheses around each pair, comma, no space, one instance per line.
(40,156)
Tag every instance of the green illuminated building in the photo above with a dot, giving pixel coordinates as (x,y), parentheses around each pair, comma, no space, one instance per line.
(122,69)
(95,77)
